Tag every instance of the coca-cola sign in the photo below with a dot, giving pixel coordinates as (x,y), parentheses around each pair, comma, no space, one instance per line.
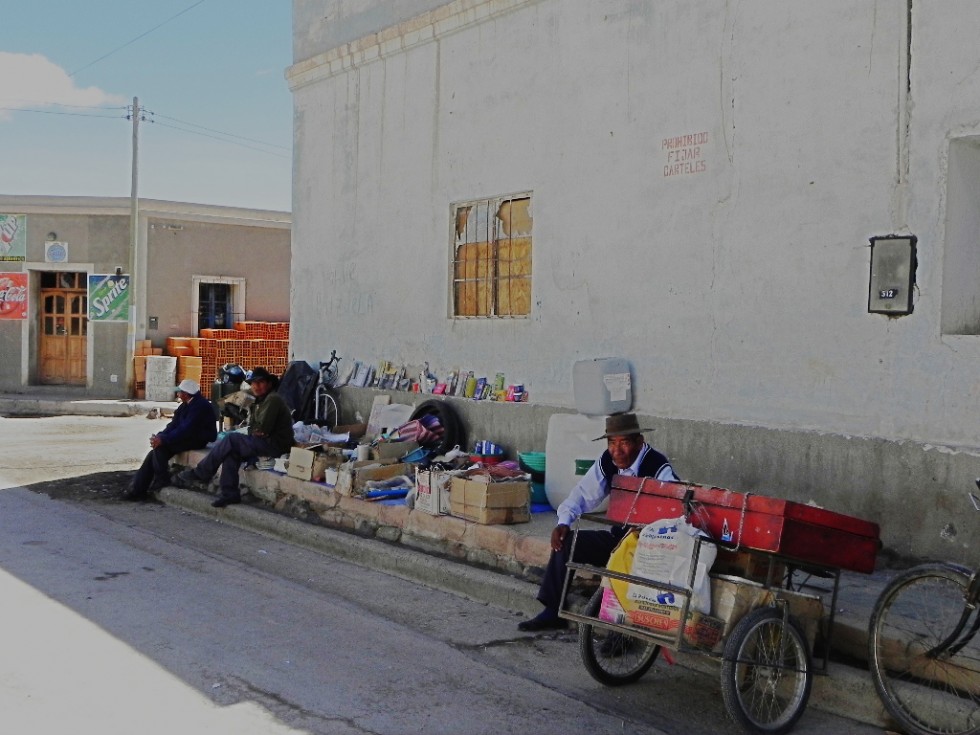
(13,295)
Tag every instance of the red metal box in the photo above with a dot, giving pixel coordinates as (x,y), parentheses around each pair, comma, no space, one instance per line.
(800,532)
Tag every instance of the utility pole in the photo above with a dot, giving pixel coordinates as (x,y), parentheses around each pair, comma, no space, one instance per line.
(133,250)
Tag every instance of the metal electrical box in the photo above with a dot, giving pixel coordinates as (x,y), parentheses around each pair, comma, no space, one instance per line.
(892,274)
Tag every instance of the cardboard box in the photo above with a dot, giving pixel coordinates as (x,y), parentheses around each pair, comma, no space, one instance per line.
(355,431)
(432,491)
(310,463)
(481,501)
(352,478)
(733,597)
(393,450)
(139,368)
(701,631)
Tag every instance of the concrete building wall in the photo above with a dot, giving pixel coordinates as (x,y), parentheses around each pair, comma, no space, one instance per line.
(705,178)
(258,256)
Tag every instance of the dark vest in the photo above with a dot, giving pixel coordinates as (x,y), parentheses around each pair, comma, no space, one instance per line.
(651,465)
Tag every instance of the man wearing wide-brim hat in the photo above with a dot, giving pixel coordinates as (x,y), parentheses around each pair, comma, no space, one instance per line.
(627,453)
(194,425)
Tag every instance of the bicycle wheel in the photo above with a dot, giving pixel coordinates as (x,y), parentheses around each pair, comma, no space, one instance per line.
(613,658)
(766,672)
(927,694)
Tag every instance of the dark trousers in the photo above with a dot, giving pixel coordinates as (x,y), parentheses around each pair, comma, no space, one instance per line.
(591,547)
(156,465)
(228,454)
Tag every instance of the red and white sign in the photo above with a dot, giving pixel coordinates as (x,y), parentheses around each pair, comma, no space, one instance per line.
(13,295)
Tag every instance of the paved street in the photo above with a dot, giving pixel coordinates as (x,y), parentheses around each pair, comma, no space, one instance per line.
(144,618)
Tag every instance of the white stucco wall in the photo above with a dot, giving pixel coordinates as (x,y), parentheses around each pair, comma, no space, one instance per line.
(739,293)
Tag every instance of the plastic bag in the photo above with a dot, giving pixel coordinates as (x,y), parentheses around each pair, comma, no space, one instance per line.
(663,552)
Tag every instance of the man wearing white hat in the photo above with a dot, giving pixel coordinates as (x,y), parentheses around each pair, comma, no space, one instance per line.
(194,425)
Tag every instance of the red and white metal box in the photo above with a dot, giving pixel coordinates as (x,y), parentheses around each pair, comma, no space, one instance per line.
(796,531)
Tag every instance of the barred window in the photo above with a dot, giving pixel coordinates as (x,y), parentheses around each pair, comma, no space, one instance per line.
(492,257)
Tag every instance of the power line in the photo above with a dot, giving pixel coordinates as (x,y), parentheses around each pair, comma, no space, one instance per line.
(56,112)
(230,135)
(150,117)
(224,140)
(142,35)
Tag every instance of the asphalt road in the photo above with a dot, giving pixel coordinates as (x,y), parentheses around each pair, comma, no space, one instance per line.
(122,618)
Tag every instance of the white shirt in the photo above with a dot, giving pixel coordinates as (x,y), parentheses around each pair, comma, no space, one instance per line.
(593,488)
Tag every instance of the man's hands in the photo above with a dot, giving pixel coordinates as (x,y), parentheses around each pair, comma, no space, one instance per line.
(155,441)
(558,536)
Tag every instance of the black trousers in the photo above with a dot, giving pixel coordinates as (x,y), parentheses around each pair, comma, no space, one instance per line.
(156,464)
(591,547)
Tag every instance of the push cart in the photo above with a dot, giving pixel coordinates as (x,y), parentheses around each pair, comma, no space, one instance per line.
(763,631)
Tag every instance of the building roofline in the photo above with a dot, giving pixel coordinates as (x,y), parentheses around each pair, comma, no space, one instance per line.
(44,204)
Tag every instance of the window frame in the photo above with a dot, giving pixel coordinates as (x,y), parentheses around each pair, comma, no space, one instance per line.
(491,278)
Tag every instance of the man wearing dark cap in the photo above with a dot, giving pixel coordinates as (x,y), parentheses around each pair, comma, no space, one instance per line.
(626,454)
(194,425)
(270,434)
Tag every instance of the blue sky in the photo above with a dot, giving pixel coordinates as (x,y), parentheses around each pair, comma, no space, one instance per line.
(213,77)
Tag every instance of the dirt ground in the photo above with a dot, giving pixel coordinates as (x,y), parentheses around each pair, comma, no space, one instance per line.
(98,487)
(78,457)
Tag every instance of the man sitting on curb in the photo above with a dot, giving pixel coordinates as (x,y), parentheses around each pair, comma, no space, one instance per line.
(270,434)
(192,427)
(626,454)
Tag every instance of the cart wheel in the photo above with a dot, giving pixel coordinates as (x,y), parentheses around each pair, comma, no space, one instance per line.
(766,672)
(613,658)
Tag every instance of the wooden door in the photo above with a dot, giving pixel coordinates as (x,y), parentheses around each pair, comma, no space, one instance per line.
(63,348)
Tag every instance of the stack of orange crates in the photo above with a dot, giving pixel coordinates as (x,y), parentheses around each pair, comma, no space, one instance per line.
(189,368)
(249,344)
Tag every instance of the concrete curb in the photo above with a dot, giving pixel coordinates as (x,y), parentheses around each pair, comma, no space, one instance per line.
(44,407)
(444,574)
(845,691)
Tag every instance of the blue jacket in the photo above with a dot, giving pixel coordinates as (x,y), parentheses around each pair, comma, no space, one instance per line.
(193,425)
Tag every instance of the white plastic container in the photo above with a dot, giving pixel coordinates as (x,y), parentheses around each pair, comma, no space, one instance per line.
(602,386)
(571,436)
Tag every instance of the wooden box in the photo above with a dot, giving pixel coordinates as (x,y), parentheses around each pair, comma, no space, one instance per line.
(795,531)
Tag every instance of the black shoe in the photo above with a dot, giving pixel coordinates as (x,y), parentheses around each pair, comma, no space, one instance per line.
(134,495)
(158,484)
(546,620)
(224,502)
(186,479)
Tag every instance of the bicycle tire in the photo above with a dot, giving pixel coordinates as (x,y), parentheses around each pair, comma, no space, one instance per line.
(766,673)
(927,695)
(613,658)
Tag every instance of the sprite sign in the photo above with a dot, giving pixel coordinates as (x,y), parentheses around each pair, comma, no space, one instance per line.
(108,298)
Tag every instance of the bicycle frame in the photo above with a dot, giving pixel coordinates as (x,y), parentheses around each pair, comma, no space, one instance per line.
(953,643)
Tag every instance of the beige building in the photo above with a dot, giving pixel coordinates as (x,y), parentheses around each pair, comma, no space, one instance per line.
(76,295)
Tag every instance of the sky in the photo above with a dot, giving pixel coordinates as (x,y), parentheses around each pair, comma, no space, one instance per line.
(210,75)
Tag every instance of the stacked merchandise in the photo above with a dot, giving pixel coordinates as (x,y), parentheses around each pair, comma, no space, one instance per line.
(249,344)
